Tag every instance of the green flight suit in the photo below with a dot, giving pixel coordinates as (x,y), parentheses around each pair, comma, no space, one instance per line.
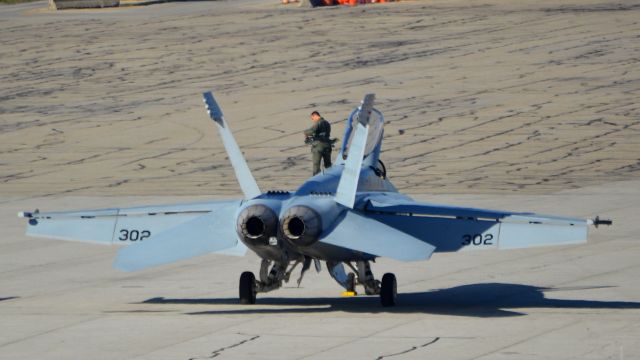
(321,145)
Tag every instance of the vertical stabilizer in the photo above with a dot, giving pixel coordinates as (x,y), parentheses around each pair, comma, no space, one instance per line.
(348,185)
(243,173)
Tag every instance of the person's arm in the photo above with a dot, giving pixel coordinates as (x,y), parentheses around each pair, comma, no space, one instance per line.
(312,130)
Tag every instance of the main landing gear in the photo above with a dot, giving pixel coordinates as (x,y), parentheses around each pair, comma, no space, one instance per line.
(272,279)
(247,288)
(388,290)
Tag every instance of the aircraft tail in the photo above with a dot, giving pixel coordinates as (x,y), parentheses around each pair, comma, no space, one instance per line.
(243,173)
(348,185)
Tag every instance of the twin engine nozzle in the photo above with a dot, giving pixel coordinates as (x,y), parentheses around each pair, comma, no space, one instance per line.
(300,225)
(256,224)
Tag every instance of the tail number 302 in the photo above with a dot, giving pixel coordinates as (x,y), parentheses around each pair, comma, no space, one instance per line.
(477,239)
(133,235)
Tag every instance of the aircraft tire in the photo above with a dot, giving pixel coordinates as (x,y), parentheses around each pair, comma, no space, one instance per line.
(247,288)
(388,290)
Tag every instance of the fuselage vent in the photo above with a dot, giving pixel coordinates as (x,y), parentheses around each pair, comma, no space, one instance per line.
(321,193)
(278,192)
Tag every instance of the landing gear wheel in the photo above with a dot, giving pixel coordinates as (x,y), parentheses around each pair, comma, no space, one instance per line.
(388,290)
(247,288)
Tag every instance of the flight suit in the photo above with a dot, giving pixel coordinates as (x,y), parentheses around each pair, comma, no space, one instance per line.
(321,145)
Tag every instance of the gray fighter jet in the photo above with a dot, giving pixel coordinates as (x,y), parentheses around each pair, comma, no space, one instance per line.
(348,215)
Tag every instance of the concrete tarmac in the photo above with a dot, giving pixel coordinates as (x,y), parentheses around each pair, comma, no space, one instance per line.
(62,300)
(524,106)
(479,97)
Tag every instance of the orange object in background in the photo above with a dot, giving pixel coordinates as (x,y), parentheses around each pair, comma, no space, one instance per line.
(352,2)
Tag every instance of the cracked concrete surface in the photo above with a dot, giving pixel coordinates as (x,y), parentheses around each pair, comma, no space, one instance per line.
(490,97)
(63,300)
(525,106)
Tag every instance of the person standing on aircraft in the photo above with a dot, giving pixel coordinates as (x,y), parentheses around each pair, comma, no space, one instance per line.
(318,135)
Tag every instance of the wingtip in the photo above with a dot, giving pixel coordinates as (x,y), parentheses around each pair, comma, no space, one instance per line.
(25,214)
(597,222)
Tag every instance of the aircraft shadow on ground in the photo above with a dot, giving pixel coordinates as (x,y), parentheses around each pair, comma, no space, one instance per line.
(474,300)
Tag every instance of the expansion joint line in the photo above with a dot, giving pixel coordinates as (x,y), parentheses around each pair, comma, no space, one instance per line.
(413,348)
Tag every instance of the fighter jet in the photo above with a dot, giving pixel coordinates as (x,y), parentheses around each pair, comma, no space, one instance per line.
(346,217)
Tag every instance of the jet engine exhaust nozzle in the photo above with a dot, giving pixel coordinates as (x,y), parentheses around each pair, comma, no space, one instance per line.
(256,224)
(301,225)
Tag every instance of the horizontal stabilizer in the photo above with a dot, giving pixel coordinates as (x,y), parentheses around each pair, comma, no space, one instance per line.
(239,250)
(369,236)
(207,233)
